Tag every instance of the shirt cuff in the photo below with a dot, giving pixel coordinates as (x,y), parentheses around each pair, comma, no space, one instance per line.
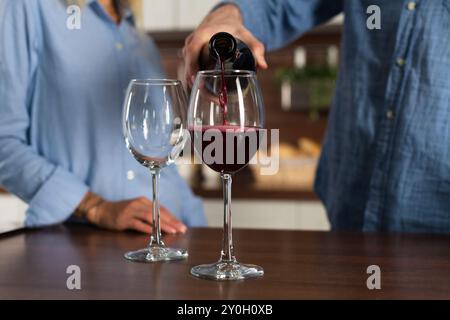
(56,200)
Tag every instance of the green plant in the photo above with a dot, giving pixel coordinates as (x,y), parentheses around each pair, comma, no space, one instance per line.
(301,75)
(317,81)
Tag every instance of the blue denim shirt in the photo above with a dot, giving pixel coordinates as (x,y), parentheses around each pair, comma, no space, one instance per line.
(385,164)
(61,95)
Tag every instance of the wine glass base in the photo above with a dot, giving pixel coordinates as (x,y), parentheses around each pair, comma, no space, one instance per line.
(223,270)
(155,254)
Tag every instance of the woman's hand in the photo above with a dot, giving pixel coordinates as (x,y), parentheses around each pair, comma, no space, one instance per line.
(134,214)
(226,18)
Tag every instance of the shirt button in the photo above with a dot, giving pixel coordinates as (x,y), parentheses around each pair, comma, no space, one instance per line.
(412,6)
(130,175)
(400,62)
(119,46)
(390,114)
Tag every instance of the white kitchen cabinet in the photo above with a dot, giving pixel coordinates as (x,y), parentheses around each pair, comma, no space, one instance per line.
(270,214)
(256,214)
(12,213)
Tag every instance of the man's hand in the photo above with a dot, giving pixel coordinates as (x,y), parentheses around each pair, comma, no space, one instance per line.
(226,18)
(134,214)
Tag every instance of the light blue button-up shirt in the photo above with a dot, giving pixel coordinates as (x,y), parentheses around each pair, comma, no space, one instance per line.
(385,164)
(61,94)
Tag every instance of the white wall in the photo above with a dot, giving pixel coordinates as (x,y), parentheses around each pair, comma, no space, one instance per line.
(158,15)
(163,15)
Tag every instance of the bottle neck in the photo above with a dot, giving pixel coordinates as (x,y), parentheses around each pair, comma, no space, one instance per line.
(222,46)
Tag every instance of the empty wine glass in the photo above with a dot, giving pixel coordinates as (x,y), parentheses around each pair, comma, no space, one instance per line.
(225,118)
(154,126)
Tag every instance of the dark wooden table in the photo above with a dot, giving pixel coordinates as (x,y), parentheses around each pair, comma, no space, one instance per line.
(298,265)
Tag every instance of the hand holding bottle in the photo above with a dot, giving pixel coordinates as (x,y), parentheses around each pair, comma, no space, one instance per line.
(226,18)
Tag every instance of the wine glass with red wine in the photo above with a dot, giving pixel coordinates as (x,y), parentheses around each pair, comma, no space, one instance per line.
(225,121)
(154,126)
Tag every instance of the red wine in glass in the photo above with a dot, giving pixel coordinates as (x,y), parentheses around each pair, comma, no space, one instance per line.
(225,149)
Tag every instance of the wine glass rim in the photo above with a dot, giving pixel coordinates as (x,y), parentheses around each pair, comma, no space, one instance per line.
(227,73)
(153,82)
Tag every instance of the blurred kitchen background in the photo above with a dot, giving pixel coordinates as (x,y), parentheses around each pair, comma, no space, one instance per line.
(297,89)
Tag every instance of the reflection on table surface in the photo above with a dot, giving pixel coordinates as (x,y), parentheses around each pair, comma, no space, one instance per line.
(298,265)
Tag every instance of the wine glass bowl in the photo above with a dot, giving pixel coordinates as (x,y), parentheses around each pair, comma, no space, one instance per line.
(225,121)
(154,121)
(154,127)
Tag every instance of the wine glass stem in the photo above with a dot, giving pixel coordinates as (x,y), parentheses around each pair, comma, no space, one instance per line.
(156,229)
(227,246)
